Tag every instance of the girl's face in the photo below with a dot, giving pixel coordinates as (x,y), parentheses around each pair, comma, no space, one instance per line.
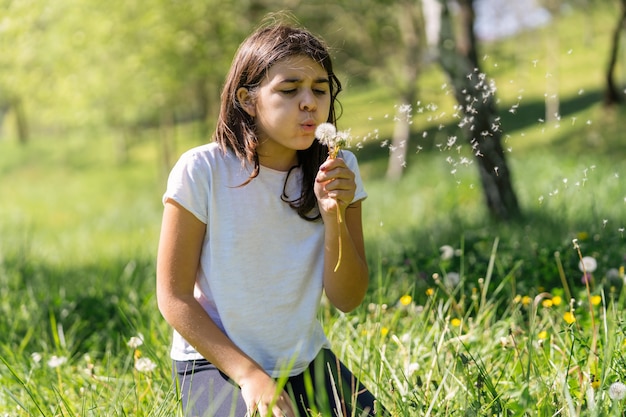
(287,106)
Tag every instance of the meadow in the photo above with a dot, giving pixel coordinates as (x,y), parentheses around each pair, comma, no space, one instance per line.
(465,316)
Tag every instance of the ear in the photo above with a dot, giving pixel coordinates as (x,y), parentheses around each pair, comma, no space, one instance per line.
(245,100)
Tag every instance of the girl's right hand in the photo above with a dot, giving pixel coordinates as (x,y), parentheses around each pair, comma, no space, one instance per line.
(263,398)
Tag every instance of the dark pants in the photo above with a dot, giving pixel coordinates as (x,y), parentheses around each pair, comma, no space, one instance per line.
(207,392)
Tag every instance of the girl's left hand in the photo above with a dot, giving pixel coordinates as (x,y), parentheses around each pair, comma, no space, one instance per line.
(334,186)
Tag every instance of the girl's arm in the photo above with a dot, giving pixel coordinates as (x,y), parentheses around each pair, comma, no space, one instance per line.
(180,246)
(335,188)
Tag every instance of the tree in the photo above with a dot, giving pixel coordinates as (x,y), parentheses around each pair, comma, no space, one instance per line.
(476,97)
(611,93)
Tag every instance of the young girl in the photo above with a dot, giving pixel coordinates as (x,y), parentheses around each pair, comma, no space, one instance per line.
(251,237)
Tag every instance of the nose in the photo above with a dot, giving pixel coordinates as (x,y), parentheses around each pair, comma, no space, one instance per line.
(308,101)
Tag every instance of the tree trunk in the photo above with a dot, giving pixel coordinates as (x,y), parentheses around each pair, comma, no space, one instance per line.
(476,97)
(21,121)
(612,95)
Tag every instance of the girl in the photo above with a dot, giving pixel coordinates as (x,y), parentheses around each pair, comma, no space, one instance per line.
(250,239)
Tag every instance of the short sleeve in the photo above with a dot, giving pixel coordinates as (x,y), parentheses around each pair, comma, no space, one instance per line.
(189,184)
(352,163)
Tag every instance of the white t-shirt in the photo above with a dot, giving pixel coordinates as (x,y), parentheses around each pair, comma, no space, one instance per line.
(260,272)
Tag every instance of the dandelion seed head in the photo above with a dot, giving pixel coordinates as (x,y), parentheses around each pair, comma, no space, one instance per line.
(326,133)
(144,365)
(617,391)
(588,264)
(56,361)
(135,341)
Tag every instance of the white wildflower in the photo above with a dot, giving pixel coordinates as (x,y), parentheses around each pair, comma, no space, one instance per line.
(135,341)
(617,391)
(36,357)
(145,365)
(447,252)
(588,264)
(56,361)
(452,279)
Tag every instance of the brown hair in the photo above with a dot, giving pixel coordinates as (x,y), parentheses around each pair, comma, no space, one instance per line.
(235,130)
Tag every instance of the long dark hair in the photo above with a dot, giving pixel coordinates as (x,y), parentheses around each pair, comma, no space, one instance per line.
(235,128)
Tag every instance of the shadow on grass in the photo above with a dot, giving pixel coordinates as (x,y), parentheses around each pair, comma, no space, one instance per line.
(91,309)
(528,257)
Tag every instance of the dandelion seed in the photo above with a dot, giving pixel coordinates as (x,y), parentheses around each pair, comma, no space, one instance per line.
(56,361)
(617,391)
(588,264)
(36,357)
(144,365)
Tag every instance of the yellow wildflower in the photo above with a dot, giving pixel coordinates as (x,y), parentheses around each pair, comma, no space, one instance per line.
(582,235)
(569,317)
(526,300)
(384,331)
(596,299)
(405,300)
(543,335)
(556,300)
(455,322)
(517,299)
(547,303)
(430,292)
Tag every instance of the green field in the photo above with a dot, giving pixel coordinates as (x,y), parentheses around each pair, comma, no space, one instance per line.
(487,331)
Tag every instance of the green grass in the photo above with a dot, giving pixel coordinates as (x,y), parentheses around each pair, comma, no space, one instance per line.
(79,229)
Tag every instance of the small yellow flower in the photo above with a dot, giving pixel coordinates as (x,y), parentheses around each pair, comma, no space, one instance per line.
(557,300)
(596,300)
(430,292)
(517,299)
(384,331)
(526,300)
(595,384)
(455,322)
(582,235)
(569,317)
(405,300)
(547,303)
(543,335)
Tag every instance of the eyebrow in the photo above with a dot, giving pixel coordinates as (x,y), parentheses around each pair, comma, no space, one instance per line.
(321,80)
